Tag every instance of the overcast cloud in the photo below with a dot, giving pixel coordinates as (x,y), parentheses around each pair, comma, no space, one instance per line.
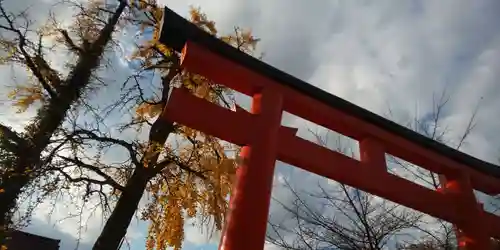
(377,55)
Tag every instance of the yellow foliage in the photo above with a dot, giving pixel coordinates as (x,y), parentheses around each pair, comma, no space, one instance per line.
(25,96)
(242,39)
(146,110)
(8,51)
(49,29)
(183,195)
(201,20)
(142,4)
(179,194)
(85,25)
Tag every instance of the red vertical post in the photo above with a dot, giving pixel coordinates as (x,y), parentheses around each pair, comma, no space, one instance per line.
(372,154)
(470,230)
(443,184)
(249,205)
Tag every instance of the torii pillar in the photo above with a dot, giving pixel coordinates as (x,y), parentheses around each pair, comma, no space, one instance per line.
(250,200)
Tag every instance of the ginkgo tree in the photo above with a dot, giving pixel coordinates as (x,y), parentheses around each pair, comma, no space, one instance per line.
(185,173)
(53,91)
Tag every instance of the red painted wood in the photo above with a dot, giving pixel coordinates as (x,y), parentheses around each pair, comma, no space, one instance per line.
(215,120)
(313,158)
(223,71)
(442,188)
(492,224)
(372,154)
(473,235)
(247,220)
(267,141)
(336,166)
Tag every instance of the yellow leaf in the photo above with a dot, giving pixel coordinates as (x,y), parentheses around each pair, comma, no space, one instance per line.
(180,194)
(146,110)
(25,96)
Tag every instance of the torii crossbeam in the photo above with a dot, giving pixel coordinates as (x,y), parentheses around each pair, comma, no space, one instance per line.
(264,141)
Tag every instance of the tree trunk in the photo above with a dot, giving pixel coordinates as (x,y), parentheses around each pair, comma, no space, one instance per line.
(12,188)
(117,224)
(50,117)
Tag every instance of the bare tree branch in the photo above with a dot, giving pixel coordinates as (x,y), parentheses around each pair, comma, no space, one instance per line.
(22,43)
(108,180)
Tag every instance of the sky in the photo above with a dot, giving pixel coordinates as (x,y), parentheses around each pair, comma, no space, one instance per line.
(389,55)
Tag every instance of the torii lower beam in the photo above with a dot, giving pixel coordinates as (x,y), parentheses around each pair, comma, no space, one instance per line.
(313,158)
(226,65)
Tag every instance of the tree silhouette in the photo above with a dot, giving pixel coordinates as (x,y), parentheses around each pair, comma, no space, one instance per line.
(23,44)
(185,173)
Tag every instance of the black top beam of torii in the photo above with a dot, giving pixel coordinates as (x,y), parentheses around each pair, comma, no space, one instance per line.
(176,30)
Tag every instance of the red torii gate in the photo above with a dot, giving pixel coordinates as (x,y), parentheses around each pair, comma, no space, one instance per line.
(264,141)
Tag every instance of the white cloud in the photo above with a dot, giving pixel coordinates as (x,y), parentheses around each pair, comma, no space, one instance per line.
(199,236)
(269,246)
(392,53)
